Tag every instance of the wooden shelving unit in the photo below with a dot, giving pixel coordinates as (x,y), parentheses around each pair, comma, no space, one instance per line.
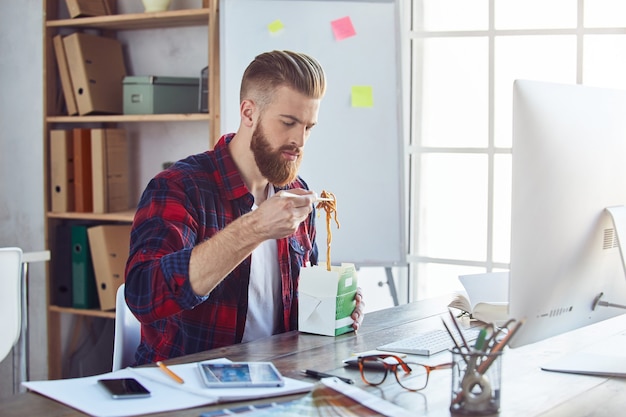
(207,16)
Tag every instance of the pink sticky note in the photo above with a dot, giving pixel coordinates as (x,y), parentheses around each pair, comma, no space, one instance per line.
(342,28)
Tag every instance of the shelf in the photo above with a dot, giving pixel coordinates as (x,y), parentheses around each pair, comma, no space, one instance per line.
(83,312)
(129,118)
(135,21)
(56,22)
(121,216)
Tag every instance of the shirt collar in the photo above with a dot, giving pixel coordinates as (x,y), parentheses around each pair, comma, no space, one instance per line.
(230,178)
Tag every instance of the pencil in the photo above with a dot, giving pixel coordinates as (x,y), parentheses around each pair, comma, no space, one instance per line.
(169,372)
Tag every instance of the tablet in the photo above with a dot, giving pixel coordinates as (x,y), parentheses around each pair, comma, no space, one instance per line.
(240,374)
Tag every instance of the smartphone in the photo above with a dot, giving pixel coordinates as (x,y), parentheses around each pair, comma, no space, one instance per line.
(121,388)
(240,374)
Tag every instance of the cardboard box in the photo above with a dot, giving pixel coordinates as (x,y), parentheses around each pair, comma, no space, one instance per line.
(158,95)
(109,246)
(326,299)
(82,8)
(97,69)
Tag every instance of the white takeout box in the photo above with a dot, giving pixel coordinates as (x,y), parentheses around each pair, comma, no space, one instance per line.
(326,299)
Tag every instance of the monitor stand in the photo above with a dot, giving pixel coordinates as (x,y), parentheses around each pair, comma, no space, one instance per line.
(608,357)
(618,215)
(605,358)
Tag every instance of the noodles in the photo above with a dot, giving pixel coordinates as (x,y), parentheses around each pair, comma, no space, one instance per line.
(331,209)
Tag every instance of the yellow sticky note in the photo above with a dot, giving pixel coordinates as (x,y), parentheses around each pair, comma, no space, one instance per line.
(362,96)
(275,26)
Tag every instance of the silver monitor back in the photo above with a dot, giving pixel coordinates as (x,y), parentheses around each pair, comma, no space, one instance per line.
(569,164)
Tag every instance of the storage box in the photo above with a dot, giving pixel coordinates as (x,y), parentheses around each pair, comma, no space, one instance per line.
(82,8)
(326,299)
(156,95)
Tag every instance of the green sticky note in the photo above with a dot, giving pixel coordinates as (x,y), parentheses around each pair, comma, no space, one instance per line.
(275,26)
(362,96)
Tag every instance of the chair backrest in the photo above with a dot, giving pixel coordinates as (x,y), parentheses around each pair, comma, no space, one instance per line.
(10,299)
(127,333)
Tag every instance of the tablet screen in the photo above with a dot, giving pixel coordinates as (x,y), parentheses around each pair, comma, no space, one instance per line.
(240,374)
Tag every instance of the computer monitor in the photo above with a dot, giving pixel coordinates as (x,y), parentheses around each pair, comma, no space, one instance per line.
(569,165)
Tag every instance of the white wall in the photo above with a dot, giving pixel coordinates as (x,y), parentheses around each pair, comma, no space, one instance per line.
(21,161)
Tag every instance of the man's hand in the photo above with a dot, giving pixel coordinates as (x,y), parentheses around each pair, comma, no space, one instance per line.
(359,310)
(280,215)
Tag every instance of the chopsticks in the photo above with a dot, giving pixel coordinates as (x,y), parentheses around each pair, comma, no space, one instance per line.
(318,199)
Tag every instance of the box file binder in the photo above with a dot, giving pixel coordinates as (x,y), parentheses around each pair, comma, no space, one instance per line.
(84,293)
(96,66)
(110,170)
(109,246)
(83,191)
(61,171)
(61,265)
(64,75)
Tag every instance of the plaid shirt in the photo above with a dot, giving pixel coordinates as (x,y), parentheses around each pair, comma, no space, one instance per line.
(180,208)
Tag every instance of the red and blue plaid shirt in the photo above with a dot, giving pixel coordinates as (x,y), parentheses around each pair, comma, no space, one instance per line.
(180,208)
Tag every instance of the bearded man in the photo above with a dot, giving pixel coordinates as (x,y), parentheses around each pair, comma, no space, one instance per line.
(217,242)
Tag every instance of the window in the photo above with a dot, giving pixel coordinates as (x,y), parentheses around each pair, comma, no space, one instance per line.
(464,56)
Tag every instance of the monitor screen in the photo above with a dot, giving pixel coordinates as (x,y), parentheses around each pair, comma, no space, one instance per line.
(569,164)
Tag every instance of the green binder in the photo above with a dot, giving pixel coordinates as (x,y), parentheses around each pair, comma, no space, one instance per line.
(84,291)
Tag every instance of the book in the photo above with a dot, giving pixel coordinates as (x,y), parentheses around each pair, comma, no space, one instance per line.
(64,75)
(61,171)
(83,187)
(486,297)
(109,169)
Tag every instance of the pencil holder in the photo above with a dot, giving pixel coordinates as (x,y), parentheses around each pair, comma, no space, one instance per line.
(476,382)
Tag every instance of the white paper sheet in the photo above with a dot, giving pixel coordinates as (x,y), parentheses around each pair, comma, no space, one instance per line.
(84,394)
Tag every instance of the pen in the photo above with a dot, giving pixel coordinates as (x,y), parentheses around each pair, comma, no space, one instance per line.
(169,372)
(321,375)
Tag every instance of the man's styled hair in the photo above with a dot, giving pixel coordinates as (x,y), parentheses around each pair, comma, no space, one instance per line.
(271,70)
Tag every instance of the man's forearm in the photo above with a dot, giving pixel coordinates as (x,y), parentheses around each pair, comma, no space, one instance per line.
(212,260)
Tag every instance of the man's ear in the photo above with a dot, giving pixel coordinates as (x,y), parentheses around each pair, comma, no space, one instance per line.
(246,111)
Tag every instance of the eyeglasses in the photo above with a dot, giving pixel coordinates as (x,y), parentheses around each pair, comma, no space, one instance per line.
(410,375)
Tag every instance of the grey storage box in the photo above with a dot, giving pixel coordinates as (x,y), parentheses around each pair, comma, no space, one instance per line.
(156,95)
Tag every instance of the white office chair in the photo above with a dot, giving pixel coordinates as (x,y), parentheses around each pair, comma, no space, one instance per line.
(10,299)
(127,333)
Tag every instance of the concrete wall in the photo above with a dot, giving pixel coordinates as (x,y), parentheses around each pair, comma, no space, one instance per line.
(21,163)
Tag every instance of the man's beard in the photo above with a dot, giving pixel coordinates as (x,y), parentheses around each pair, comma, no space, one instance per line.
(278,170)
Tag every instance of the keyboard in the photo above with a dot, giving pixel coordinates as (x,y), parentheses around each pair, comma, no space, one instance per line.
(429,342)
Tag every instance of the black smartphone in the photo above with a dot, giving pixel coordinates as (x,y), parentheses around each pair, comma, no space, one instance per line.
(120,388)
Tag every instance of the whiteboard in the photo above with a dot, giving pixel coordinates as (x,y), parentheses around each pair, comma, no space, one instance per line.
(355,152)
